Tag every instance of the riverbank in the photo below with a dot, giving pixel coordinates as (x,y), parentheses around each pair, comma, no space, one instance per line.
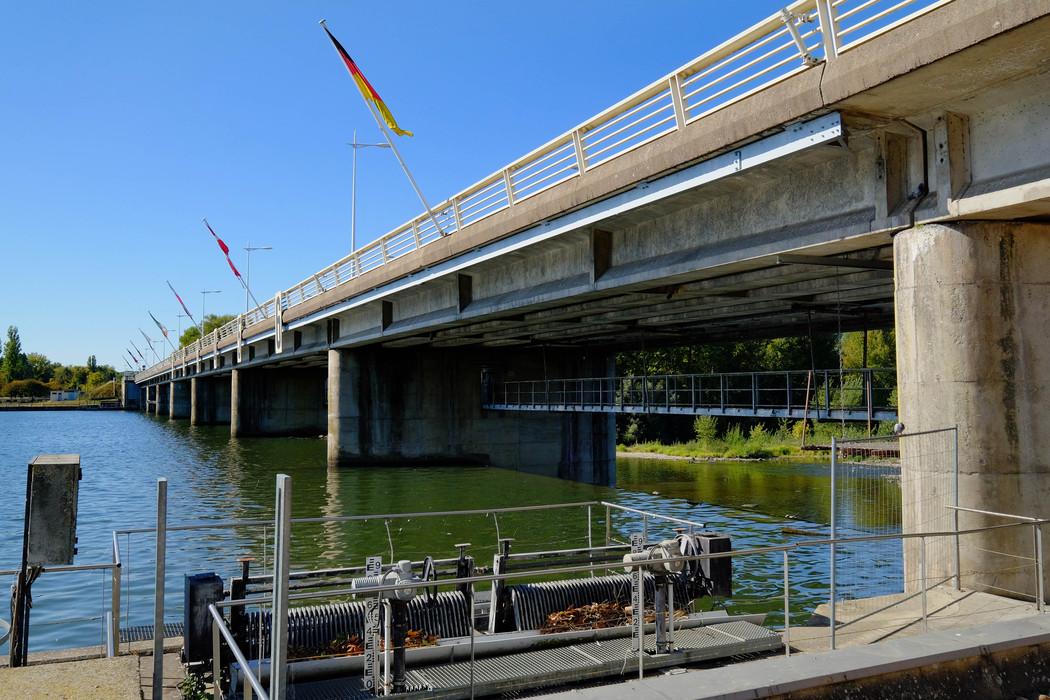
(59,406)
(719,451)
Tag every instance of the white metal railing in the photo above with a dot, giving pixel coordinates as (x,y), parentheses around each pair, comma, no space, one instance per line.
(804,34)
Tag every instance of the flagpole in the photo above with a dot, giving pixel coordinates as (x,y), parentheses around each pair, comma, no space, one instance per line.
(397,154)
(408,174)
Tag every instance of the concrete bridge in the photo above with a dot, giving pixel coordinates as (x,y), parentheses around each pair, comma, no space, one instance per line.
(847,164)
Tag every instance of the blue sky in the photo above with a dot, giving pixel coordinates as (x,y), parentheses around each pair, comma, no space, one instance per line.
(124,123)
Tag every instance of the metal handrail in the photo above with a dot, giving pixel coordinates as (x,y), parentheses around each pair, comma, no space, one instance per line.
(583,568)
(684,91)
(793,390)
(219,626)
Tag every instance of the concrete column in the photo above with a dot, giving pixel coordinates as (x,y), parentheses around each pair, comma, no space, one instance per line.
(344,410)
(412,406)
(179,399)
(237,410)
(160,407)
(198,401)
(972,313)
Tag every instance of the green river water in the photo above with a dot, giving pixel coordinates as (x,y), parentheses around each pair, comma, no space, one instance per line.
(213,477)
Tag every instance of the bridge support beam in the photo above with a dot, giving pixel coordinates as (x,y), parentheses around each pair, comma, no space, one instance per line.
(412,406)
(972,309)
(209,400)
(179,399)
(278,401)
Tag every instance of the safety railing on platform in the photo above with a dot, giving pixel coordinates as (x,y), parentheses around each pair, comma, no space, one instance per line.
(908,610)
(801,36)
(854,394)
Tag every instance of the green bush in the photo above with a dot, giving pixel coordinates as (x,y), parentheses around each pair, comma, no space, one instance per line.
(705,428)
(801,430)
(27,387)
(105,391)
(734,437)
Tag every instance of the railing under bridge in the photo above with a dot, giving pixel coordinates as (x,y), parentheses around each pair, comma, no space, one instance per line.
(848,394)
(802,36)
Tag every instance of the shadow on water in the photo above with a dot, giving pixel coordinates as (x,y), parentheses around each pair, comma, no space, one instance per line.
(213,478)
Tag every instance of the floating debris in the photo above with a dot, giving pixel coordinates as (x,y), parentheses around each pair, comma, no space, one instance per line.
(353,646)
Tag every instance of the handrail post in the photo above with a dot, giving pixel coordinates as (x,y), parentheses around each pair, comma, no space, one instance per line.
(158,592)
(829,32)
(674,84)
(1037,537)
(831,568)
(114,623)
(754,393)
(787,608)
(216,658)
(577,145)
(787,384)
(922,582)
(608,525)
(955,511)
(590,537)
(279,619)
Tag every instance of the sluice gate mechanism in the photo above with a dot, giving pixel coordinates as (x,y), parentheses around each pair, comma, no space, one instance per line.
(538,627)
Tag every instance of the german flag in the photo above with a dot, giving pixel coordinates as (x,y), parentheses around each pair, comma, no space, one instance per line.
(367,91)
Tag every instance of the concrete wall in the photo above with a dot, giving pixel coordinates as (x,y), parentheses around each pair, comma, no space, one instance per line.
(209,400)
(278,401)
(425,405)
(973,310)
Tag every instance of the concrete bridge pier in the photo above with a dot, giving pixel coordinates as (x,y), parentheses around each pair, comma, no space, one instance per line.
(278,401)
(209,400)
(179,399)
(412,405)
(973,309)
(160,406)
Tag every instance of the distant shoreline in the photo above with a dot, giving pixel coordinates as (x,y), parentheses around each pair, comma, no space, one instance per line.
(52,407)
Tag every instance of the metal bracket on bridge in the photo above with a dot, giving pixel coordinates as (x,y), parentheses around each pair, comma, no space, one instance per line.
(791,21)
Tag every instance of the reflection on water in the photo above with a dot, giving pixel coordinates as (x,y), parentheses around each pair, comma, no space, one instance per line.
(214,478)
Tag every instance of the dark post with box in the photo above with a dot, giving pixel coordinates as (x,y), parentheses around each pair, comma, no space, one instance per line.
(48,536)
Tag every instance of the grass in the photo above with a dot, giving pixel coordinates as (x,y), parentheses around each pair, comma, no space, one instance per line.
(758,443)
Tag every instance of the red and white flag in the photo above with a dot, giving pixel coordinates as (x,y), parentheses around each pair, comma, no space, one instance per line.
(182,303)
(225,249)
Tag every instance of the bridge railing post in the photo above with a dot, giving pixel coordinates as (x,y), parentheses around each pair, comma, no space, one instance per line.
(787,384)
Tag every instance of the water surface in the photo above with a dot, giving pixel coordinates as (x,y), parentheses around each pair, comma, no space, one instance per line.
(214,478)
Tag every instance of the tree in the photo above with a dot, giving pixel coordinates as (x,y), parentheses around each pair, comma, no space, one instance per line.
(211,322)
(40,367)
(92,363)
(14,366)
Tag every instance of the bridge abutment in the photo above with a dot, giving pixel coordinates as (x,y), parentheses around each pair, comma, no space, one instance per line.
(972,313)
(278,401)
(395,405)
(179,399)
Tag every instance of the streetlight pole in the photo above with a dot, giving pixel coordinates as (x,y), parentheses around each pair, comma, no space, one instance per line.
(353,186)
(181,316)
(248,270)
(204,297)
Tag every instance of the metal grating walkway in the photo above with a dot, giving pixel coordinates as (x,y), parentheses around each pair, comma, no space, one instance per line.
(560,665)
